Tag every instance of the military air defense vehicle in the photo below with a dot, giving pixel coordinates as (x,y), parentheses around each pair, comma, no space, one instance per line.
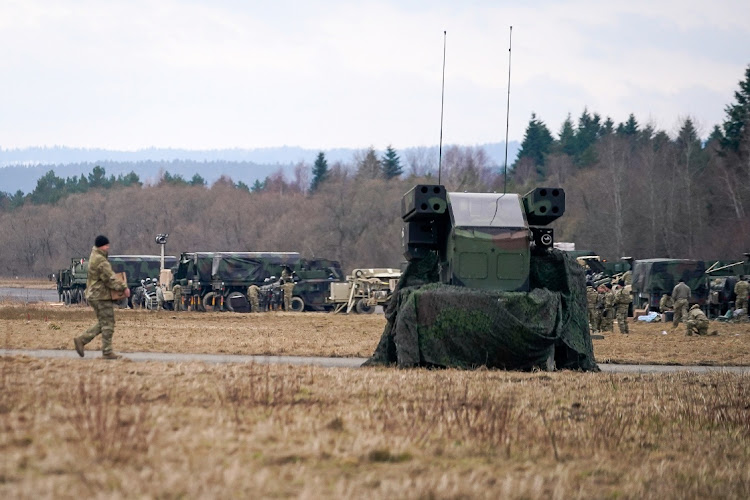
(484,285)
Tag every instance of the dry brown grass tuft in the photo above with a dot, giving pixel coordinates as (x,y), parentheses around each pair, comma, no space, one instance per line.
(266,430)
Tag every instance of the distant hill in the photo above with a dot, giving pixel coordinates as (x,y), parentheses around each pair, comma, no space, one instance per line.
(21,168)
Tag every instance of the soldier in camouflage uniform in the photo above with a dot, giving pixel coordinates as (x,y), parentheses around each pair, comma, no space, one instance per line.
(697,322)
(99,284)
(665,303)
(681,297)
(741,289)
(177,291)
(608,314)
(287,280)
(622,303)
(253,293)
(591,301)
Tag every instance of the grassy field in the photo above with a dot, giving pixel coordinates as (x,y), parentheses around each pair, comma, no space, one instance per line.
(93,428)
(320,334)
(76,428)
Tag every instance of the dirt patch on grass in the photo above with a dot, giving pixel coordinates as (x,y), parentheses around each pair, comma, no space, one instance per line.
(87,428)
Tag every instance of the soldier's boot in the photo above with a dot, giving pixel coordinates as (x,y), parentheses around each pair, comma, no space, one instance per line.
(111,355)
(78,343)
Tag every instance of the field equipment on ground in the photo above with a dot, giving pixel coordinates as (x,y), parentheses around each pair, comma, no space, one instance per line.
(363,290)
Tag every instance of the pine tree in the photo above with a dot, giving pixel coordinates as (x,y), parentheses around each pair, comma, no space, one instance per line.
(197,180)
(369,167)
(629,128)
(737,124)
(391,164)
(567,142)
(537,143)
(320,172)
(589,129)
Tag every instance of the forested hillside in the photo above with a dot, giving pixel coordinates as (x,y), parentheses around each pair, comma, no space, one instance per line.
(631,190)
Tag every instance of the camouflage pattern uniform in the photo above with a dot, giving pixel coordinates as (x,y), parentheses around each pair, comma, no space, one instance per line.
(741,290)
(101,279)
(681,297)
(665,303)
(622,303)
(608,319)
(177,291)
(591,300)
(288,287)
(253,292)
(697,322)
(627,277)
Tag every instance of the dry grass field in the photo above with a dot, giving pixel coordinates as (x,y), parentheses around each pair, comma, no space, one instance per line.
(93,428)
(319,334)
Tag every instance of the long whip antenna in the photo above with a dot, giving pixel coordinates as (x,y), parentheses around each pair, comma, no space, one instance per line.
(507,115)
(442,105)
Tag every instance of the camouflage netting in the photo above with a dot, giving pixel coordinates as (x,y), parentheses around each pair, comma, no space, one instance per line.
(432,324)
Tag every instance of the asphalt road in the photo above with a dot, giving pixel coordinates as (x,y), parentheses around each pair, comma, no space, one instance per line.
(327,362)
(29,294)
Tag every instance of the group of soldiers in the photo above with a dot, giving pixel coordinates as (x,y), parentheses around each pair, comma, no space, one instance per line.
(607,303)
(272,294)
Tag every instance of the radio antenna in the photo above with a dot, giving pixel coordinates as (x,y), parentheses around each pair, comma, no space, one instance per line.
(442,105)
(507,115)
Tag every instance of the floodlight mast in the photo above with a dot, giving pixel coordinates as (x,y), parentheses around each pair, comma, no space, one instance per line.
(161,240)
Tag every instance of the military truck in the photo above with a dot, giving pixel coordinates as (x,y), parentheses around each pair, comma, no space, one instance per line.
(71,282)
(219,280)
(654,277)
(484,285)
(138,268)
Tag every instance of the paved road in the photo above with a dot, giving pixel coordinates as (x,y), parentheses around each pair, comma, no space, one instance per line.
(29,294)
(329,362)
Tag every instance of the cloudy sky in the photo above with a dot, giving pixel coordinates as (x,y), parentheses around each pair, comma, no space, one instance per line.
(343,73)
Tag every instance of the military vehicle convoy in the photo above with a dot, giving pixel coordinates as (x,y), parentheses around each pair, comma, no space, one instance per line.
(484,286)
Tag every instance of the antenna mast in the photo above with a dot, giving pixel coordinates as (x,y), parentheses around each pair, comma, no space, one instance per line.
(442,104)
(507,116)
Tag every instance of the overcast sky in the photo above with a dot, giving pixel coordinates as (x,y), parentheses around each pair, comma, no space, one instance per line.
(323,74)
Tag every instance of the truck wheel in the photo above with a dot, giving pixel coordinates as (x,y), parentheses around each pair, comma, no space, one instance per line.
(211,302)
(66,297)
(362,308)
(297,304)
(81,298)
(237,302)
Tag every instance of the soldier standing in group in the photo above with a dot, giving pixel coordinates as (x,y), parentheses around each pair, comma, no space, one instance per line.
(253,292)
(681,297)
(177,292)
(100,282)
(741,289)
(287,280)
(608,316)
(622,303)
(697,322)
(591,300)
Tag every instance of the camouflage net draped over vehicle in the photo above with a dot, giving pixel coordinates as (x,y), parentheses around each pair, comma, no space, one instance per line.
(433,324)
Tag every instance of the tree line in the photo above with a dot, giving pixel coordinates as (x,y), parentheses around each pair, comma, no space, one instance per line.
(631,190)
